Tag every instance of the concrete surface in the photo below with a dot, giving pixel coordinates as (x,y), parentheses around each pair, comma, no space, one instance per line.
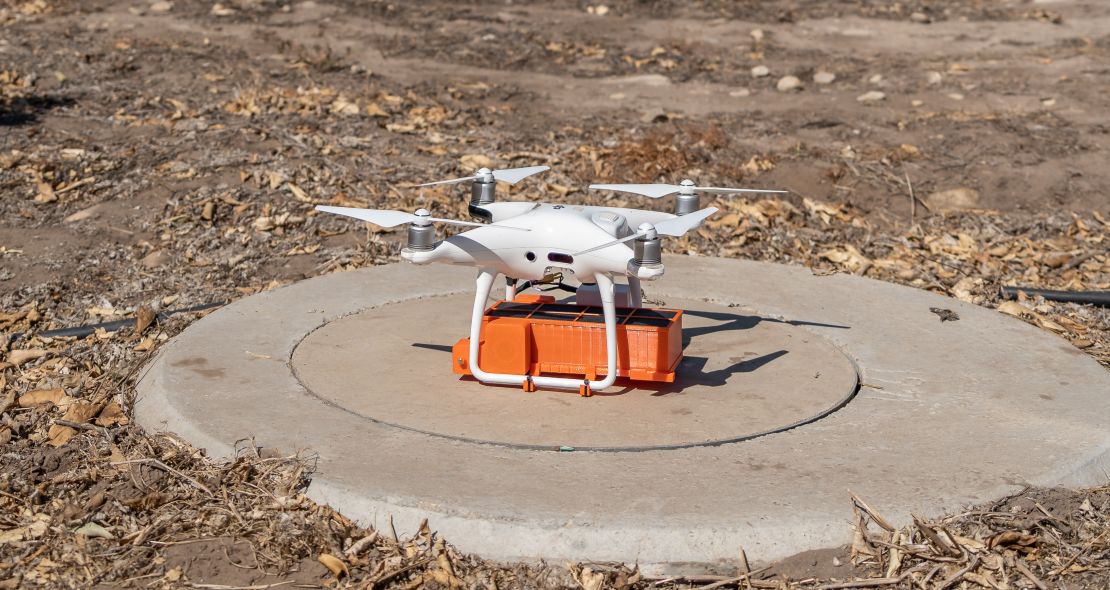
(948,414)
(741,378)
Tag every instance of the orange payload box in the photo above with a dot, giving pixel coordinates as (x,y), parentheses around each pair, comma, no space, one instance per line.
(534,335)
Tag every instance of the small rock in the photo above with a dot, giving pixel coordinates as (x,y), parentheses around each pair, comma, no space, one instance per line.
(956,96)
(876,79)
(824,77)
(953,199)
(873,96)
(161,7)
(788,83)
(653,115)
(1056,259)
(916,103)
(760,71)
(740,93)
(84,214)
(920,17)
(934,78)
(1048,102)
(155,259)
(757,34)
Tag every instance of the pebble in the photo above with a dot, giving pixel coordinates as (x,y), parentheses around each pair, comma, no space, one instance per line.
(873,96)
(86,213)
(934,78)
(920,17)
(955,198)
(917,103)
(740,93)
(155,259)
(824,77)
(757,34)
(161,7)
(760,71)
(788,83)
(876,79)
(956,96)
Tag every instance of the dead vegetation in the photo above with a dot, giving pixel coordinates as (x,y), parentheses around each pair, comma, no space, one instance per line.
(144,173)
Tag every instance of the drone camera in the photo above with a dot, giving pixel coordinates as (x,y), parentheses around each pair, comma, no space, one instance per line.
(560,257)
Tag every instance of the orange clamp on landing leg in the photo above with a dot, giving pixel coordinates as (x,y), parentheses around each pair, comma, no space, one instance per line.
(528,385)
(584,389)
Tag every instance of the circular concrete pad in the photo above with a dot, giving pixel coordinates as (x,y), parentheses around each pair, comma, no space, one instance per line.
(946,414)
(741,377)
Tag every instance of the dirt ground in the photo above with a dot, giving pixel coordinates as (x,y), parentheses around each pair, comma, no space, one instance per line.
(161,155)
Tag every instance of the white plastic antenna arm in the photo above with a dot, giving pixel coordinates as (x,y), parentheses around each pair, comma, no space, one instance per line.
(485,284)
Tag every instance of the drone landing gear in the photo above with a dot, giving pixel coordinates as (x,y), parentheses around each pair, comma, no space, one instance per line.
(585,388)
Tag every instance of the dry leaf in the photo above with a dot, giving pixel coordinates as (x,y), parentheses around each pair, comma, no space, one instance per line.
(44,396)
(334,564)
(80,411)
(46,193)
(475,161)
(298,193)
(19,356)
(111,415)
(144,319)
(1014,308)
(91,529)
(591,580)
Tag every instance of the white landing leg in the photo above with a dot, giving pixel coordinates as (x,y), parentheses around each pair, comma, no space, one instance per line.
(585,387)
(635,292)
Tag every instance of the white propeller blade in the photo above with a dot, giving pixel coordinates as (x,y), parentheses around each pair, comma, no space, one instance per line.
(509,175)
(658,191)
(655,191)
(389,218)
(675,226)
(515,175)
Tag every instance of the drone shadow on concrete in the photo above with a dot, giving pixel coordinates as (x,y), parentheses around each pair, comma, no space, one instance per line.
(691,370)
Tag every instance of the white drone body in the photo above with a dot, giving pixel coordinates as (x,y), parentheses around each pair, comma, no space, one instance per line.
(532,241)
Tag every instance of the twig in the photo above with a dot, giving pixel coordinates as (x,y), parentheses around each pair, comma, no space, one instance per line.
(874,515)
(913,199)
(1025,571)
(9,401)
(77,425)
(745,577)
(168,469)
(959,574)
(255,587)
(390,575)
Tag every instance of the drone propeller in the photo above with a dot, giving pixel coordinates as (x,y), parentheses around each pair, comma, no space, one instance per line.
(509,175)
(675,226)
(687,187)
(389,218)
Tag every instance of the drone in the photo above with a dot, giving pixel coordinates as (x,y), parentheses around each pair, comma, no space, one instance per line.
(534,242)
